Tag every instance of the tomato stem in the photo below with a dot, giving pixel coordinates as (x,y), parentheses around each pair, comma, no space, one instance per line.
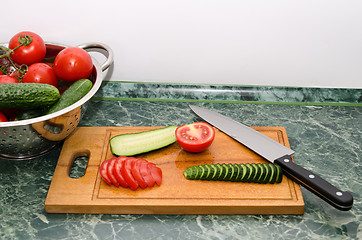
(23,40)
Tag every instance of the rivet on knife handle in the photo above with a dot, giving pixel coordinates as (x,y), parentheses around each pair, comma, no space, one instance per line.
(317,185)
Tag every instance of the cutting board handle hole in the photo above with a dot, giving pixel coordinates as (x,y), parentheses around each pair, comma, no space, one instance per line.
(79,166)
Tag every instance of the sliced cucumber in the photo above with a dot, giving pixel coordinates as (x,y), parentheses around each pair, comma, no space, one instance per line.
(195,172)
(215,171)
(250,175)
(209,171)
(231,172)
(262,173)
(273,173)
(236,173)
(137,143)
(244,173)
(220,171)
(249,172)
(203,172)
(188,173)
(268,174)
(279,174)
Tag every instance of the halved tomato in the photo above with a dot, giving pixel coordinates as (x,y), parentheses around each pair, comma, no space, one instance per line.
(118,173)
(127,173)
(103,172)
(110,168)
(195,137)
(137,174)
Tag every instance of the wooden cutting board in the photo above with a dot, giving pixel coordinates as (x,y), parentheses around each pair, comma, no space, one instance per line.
(176,195)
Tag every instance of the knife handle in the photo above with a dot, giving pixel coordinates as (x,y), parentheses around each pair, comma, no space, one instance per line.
(317,185)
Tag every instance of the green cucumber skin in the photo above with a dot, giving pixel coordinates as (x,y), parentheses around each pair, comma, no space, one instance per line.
(136,143)
(250,172)
(72,95)
(27,95)
(28,114)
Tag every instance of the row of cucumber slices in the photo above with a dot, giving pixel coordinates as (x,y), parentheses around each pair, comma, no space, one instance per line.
(237,172)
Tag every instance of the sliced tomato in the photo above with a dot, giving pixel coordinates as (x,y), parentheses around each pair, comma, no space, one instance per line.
(117,171)
(156,174)
(110,168)
(103,172)
(195,137)
(137,174)
(127,173)
(146,173)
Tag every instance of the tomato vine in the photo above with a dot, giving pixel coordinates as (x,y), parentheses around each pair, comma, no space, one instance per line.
(5,52)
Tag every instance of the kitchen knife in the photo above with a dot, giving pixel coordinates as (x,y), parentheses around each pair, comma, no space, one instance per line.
(278,154)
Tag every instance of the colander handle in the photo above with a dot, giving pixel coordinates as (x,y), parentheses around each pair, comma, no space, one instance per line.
(101,48)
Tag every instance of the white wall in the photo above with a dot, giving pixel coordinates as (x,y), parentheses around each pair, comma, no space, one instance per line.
(248,42)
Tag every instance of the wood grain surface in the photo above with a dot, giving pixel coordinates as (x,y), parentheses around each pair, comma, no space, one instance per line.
(176,195)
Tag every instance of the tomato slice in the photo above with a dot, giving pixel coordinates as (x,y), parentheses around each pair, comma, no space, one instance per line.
(103,172)
(146,173)
(137,174)
(195,137)
(110,168)
(156,174)
(127,173)
(118,173)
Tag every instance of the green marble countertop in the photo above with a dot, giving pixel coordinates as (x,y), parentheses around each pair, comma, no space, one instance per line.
(324,127)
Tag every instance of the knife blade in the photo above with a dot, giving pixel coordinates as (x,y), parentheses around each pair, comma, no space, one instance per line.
(279,154)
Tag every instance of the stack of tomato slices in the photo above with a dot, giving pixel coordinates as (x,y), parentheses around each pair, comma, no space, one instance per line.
(130,172)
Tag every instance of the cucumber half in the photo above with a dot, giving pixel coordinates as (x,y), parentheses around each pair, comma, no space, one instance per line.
(137,143)
(249,172)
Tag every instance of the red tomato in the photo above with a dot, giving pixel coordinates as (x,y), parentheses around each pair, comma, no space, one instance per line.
(103,172)
(28,53)
(8,79)
(195,137)
(127,173)
(10,113)
(72,64)
(40,73)
(130,172)
(110,168)
(137,174)
(3,117)
(117,171)
(156,174)
(146,173)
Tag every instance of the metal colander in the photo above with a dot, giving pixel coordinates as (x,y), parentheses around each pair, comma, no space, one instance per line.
(26,139)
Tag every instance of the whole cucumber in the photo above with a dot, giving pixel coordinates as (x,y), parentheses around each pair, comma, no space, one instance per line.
(27,95)
(28,114)
(73,94)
